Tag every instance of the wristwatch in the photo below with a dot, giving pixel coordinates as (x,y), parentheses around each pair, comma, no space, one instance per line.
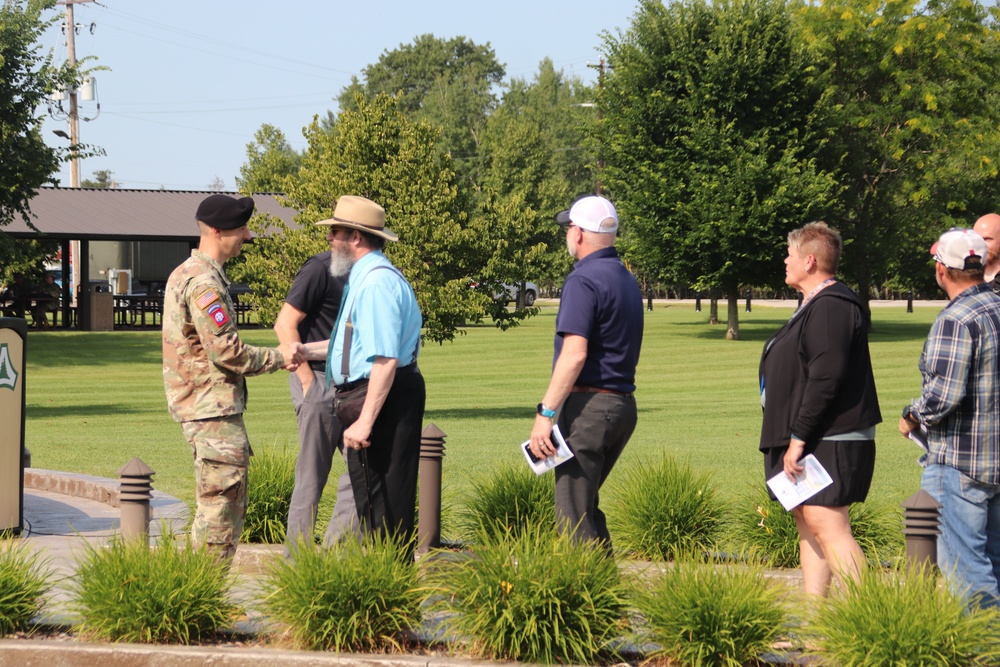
(545,412)
(908,416)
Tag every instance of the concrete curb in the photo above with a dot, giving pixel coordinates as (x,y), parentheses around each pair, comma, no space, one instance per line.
(37,653)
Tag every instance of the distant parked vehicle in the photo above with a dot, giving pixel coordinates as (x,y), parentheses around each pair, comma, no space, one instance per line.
(530,293)
(509,295)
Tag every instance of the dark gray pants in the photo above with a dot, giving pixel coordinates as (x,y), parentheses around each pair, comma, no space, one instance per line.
(319,440)
(597,428)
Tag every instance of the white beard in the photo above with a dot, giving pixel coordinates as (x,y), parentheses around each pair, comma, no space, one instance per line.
(340,263)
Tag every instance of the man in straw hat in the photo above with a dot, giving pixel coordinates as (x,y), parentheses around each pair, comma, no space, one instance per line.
(959,410)
(204,366)
(371,360)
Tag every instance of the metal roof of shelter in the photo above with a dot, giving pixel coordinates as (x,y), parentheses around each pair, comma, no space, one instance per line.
(126,215)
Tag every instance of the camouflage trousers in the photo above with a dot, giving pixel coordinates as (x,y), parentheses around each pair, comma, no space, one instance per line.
(221,456)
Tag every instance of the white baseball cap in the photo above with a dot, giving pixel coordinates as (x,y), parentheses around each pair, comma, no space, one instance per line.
(591,213)
(961,249)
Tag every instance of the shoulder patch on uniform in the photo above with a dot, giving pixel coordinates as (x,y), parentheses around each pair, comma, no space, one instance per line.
(218,314)
(206,298)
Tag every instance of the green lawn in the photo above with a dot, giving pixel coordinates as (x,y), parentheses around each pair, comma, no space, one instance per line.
(95,400)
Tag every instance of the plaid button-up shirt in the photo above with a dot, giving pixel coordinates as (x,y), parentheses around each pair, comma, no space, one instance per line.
(960,401)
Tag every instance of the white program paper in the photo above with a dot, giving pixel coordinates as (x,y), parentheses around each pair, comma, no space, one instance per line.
(813,479)
(563,453)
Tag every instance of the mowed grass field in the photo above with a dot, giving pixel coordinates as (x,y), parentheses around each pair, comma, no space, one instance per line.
(95,400)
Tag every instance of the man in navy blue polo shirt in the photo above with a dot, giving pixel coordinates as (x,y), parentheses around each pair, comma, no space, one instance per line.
(590,394)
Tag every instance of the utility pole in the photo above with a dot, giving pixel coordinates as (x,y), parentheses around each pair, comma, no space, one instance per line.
(74,111)
(76,254)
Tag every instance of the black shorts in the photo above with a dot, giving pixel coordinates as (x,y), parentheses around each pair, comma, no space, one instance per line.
(851,464)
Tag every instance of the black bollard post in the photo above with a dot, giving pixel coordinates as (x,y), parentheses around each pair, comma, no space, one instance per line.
(748,301)
(429,520)
(920,527)
(134,495)
(697,303)
(909,302)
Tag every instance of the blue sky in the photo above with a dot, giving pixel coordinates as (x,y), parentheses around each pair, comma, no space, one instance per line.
(191,81)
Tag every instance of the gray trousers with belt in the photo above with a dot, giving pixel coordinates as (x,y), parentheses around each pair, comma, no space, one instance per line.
(319,441)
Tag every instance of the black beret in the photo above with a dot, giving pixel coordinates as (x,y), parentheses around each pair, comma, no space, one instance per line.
(225,212)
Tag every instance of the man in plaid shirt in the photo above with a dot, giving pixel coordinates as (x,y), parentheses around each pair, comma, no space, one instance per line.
(959,407)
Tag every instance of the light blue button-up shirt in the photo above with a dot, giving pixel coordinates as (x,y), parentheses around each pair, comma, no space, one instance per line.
(386,319)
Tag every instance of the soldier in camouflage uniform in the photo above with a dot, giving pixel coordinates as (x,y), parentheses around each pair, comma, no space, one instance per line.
(204,366)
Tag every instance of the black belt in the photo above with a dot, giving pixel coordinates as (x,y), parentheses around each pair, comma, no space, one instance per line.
(584,389)
(354,384)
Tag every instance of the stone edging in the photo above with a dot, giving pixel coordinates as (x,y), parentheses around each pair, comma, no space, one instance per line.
(101,489)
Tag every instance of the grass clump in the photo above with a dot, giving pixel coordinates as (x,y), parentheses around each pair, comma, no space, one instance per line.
(270,481)
(23,582)
(166,595)
(664,508)
(508,501)
(701,615)
(763,528)
(353,597)
(534,596)
(904,617)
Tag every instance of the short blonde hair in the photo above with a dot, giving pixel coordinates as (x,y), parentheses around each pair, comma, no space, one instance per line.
(821,241)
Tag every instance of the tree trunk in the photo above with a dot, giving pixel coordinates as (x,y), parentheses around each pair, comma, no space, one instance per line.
(733,326)
(864,293)
(713,308)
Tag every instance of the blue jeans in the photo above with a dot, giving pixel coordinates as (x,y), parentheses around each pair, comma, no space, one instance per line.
(968,548)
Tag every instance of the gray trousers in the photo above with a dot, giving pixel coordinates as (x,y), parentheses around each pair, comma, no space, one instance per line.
(319,441)
(597,428)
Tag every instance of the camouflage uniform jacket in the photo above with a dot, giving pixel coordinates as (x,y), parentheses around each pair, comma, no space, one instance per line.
(204,360)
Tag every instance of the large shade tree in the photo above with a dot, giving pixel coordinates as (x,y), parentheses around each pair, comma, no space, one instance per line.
(912,87)
(447,82)
(375,151)
(535,161)
(710,133)
(27,76)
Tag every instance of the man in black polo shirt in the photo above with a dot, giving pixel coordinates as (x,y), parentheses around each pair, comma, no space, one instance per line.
(308,315)
(590,394)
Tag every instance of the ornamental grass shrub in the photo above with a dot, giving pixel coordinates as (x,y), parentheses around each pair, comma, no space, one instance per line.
(533,596)
(663,508)
(270,481)
(762,528)
(903,616)
(507,501)
(24,580)
(352,597)
(703,615)
(165,595)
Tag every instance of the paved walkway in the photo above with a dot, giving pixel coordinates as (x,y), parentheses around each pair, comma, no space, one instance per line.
(64,514)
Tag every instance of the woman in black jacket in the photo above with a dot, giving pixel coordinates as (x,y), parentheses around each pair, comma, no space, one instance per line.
(818,395)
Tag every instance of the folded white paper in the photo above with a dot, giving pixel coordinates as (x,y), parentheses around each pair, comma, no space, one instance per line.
(813,479)
(563,453)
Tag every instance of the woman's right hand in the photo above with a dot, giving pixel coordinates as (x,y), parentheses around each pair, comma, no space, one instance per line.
(792,456)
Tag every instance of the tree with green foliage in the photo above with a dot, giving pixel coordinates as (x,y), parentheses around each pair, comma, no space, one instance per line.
(711,131)
(103,180)
(270,162)
(535,162)
(447,82)
(375,151)
(911,87)
(27,76)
